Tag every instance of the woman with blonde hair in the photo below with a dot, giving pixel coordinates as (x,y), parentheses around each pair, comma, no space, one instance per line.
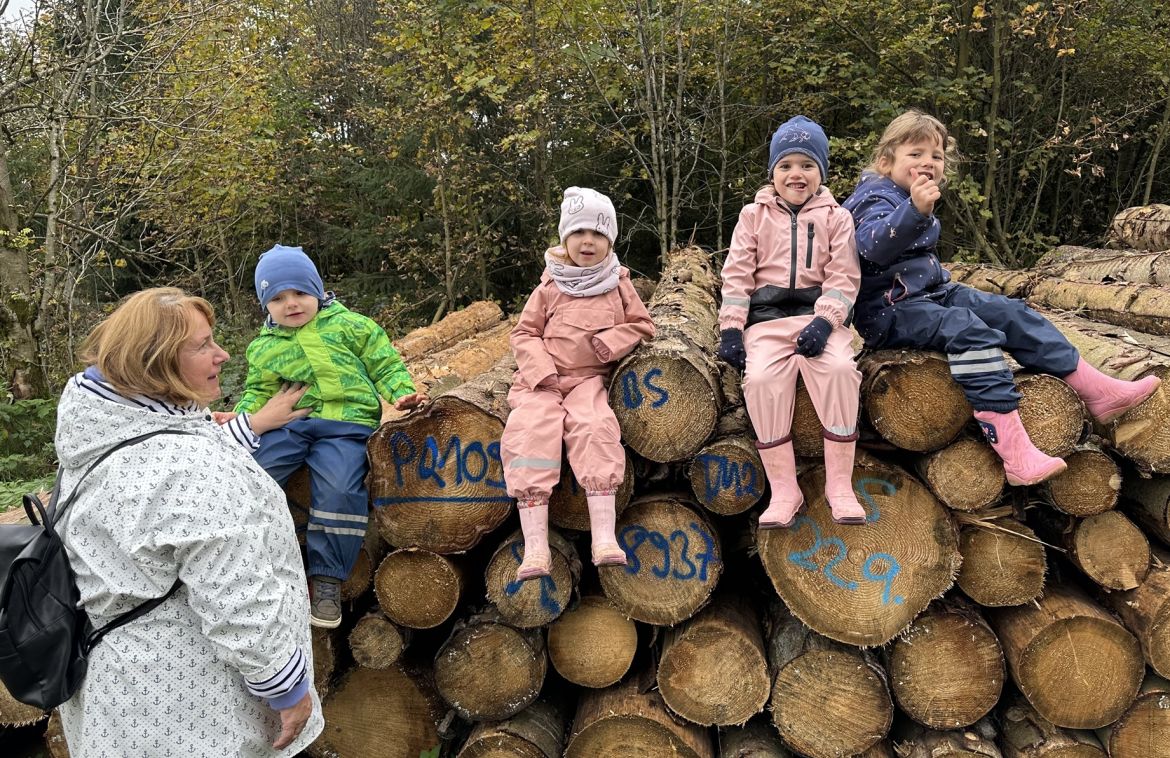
(224,665)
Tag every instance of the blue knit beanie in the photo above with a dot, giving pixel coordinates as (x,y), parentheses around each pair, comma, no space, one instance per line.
(286,268)
(800,135)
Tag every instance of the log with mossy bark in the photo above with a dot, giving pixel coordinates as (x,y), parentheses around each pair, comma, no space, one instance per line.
(1076,664)
(947,670)
(863,584)
(828,699)
(666,394)
(436,479)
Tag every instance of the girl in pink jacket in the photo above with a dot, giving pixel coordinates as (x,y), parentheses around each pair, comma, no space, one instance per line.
(582,318)
(789,284)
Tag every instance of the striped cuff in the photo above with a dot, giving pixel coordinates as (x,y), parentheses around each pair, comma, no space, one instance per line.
(291,698)
(284,683)
(240,428)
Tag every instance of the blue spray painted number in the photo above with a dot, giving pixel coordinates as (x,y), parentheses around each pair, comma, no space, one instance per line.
(878,567)
(685,569)
(632,386)
(470,462)
(721,474)
(547,586)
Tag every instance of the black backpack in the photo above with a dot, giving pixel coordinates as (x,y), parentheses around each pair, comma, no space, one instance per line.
(45,635)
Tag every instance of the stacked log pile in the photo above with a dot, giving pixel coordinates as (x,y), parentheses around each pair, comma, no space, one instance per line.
(965,618)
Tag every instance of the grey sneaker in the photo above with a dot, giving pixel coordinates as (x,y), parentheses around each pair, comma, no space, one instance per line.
(325,602)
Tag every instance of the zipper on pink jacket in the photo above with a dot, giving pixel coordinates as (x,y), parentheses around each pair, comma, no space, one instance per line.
(795,252)
(808,254)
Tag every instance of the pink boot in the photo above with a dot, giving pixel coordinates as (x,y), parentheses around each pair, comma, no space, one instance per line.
(1106,397)
(602,522)
(839,483)
(534,524)
(787,500)
(1022,462)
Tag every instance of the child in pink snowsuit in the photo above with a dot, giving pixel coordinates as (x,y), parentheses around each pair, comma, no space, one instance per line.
(582,318)
(789,283)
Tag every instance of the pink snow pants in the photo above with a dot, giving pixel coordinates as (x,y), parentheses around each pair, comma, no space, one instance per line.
(769,381)
(576,412)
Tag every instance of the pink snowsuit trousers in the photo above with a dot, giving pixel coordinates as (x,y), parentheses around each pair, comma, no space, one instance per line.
(575,410)
(769,382)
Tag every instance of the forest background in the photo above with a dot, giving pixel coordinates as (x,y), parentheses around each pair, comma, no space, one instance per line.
(418,150)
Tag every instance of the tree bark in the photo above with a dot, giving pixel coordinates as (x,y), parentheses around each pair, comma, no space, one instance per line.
(863,584)
(538,731)
(1146,227)
(976,742)
(666,395)
(630,718)
(469,322)
(755,739)
(1024,733)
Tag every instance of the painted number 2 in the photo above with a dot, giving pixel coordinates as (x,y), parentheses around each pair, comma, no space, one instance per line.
(878,567)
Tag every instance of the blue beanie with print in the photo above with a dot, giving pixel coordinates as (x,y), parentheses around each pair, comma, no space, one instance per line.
(286,268)
(800,135)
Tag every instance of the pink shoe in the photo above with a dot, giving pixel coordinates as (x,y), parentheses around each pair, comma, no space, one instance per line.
(780,467)
(1022,462)
(534,523)
(1106,397)
(839,483)
(602,523)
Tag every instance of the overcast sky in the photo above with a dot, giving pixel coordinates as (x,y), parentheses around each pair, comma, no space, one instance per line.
(16,7)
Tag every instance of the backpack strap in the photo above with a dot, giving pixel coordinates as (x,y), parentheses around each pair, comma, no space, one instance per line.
(55,514)
(94,637)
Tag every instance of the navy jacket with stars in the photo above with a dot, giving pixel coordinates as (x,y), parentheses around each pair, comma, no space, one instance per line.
(896,244)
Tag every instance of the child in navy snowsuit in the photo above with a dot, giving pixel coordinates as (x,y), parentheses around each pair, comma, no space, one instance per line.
(907,300)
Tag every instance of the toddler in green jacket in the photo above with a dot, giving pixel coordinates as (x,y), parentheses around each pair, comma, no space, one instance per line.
(346,362)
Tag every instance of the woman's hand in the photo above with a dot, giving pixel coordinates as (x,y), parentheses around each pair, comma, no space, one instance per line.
(280,409)
(293,720)
(222,417)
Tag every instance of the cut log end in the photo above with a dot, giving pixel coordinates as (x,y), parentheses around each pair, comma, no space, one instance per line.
(436,478)
(371,709)
(489,671)
(912,400)
(1144,730)
(375,642)
(1090,485)
(674,561)
(536,602)
(593,644)
(1111,550)
(568,507)
(965,476)
(727,476)
(417,588)
(1003,563)
(1052,413)
(863,584)
(666,399)
(829,703)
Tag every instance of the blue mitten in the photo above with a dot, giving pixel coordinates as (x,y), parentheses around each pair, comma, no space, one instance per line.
(731,349)
(813,337)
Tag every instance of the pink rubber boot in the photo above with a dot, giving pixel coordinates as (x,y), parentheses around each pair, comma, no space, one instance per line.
(787,500)
(1022,462)
(1106,397)
(839,483)
(534,524)
(602,522)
